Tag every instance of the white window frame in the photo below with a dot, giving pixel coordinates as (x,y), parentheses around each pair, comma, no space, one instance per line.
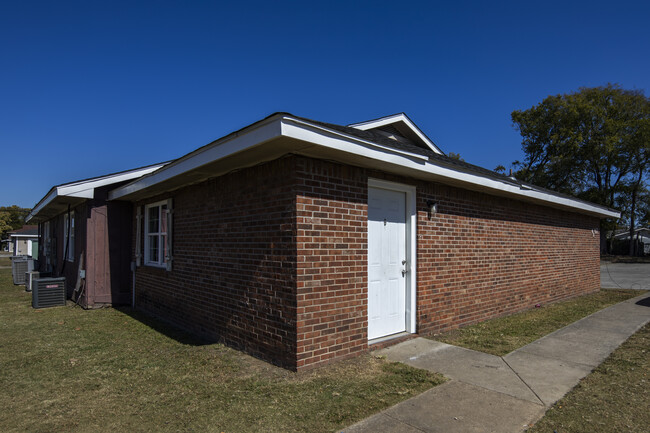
(70,242)
(161,237)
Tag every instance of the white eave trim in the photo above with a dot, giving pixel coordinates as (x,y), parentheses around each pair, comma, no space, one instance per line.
(389,120)
(86,188)
(521,191)
(308,132)
(250,137)
(317,135)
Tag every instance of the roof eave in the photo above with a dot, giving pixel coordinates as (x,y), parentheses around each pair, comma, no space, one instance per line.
(343,147)
(74,193)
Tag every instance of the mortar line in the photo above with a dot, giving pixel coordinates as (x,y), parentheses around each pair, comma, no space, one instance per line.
(523,381)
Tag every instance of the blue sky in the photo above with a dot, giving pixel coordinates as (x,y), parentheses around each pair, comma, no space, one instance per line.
(93,87)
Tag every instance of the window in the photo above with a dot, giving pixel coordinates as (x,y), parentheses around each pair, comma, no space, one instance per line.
(46,240)
(68,235)
(157,224)
(47,246)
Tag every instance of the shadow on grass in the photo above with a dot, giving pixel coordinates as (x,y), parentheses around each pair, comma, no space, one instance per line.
(167,329)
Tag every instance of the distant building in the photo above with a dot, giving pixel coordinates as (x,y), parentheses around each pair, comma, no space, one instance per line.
(24,241)
(641,235)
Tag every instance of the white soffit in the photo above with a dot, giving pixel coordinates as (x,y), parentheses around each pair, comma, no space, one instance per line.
(343,147)
(396,119)
(85,189)
(251,136)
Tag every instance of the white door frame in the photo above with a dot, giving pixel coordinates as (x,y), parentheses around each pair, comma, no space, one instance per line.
(411,246)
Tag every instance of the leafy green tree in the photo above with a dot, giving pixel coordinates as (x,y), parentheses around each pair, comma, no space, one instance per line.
(5,224)
(593,144)
(11,218)
(457,156)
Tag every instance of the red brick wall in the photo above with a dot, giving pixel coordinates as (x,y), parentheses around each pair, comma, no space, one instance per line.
(273,259)
(480,257)
(483,256)
(233,275)
(332,259)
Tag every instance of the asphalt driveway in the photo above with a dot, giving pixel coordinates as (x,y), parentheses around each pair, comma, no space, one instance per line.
(625,275)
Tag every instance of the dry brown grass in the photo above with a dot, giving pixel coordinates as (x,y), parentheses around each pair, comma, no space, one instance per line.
(66,369)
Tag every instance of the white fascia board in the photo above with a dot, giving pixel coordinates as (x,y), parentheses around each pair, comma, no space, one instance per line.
(516,190)
(86,188)
(388,120)
(227,146)
(626,234)
(313,133)
(23,236)
(283,125)
(42,204)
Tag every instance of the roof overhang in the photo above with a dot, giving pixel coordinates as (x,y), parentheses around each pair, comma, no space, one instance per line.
(283,134)
(643,231)
(59,198)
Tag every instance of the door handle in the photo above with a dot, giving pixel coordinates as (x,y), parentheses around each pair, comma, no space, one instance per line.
(405,270)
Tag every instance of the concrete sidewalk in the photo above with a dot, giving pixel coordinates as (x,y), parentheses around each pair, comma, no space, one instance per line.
(488,393)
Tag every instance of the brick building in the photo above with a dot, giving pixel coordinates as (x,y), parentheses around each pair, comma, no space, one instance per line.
(301,242)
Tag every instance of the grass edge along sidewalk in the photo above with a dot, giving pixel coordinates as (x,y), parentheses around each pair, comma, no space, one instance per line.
(502,335)
(66,369)
(615,397)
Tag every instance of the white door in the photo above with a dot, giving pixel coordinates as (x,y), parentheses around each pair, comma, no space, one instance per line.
(386,259)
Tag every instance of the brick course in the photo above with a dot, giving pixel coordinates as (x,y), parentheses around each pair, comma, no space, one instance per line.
(332,258)
(233,269)
(483,256)
(273,259)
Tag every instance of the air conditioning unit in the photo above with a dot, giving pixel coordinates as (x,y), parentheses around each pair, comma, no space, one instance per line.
(48,292)
(31,276)
(20,266)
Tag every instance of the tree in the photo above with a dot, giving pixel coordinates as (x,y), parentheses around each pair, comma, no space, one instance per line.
(593,144)
(456,156)
(5,224)
(11,218)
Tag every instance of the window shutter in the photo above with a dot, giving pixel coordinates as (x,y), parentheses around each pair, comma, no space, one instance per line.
(169,257)
(138,236)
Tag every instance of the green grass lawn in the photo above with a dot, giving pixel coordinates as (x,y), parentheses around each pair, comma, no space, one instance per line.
(505,334)
(66,369)
(614,398)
